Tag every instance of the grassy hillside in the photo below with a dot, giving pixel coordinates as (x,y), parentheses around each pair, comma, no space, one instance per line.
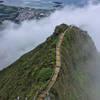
(32,71)
(75,78)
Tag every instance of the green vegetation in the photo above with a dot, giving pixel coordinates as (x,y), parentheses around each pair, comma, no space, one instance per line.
(8,13)
(31,72)
(60,29)
(44,74)
(34,69)
(74,81)
(8,9)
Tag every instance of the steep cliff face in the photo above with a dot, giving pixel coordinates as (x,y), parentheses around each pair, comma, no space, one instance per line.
(34,69)
(78,60)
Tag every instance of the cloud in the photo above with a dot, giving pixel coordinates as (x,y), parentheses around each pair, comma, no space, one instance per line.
(86,18)
(15,40)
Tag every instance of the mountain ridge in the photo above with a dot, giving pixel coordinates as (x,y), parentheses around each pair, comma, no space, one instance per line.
(34,69)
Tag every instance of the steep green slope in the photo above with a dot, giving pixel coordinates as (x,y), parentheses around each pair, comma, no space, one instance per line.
(77,54)
(32,71)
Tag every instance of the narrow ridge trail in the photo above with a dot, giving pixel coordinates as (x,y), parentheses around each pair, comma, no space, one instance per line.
(42,95)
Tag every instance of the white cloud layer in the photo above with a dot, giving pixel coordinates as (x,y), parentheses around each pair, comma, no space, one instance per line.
(18,39)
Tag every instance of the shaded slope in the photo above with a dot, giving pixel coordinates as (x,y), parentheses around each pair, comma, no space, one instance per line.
(75,79)
(32,71)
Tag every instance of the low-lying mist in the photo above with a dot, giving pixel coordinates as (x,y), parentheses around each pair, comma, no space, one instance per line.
(15,40)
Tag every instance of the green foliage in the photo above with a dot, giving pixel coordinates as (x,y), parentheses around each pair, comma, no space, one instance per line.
(20,78)
(44,74)
(81,77)
(59,29)
(31,72)
(8,9)
(74,81)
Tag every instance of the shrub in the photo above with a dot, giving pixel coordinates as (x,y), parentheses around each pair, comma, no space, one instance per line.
(59,29)
(44,74)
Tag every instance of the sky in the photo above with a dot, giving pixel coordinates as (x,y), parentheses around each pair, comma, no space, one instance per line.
(15,40)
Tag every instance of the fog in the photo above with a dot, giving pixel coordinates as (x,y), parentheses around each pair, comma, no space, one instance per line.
(15,40)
